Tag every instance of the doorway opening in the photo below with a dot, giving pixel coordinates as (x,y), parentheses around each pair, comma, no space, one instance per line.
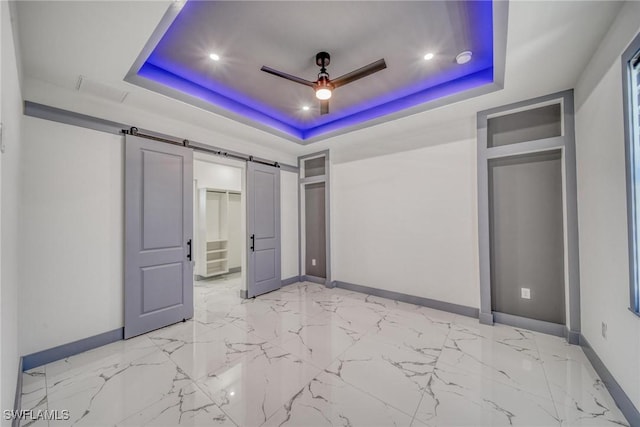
(219,227)
(527,216)
(315,246)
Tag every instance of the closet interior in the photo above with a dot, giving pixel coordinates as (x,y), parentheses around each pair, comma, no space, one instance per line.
(218,216)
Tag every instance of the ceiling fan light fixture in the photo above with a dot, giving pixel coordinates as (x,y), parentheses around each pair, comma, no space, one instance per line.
(214,56)
(323,93)
(464,57)
(323,87)
(429,56)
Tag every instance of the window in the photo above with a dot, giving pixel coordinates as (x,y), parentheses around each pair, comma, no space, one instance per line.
(631,81)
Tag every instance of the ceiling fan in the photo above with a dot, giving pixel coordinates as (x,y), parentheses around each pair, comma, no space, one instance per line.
(324,86)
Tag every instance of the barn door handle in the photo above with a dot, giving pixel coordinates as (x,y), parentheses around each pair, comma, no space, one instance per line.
(253,243)
(189,249)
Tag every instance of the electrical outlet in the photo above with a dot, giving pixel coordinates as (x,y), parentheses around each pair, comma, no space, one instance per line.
(604,330)
(525,293)
(313,261)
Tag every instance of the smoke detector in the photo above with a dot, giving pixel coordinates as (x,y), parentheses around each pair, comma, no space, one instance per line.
(464,57)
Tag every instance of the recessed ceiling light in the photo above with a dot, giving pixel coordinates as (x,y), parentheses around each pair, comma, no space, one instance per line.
(214,56)
(464,57)
(305,107)
(429,56)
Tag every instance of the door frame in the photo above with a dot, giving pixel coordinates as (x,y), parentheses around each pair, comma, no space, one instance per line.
(302,182)
(566,144)
(242,165)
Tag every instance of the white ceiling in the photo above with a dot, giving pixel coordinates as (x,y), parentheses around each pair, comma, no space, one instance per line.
(548,45)
(287,35)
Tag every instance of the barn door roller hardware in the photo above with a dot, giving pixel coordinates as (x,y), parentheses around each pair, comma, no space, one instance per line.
(134,131)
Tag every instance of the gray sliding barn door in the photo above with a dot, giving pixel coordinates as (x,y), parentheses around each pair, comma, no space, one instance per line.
(158,284)
(263,216)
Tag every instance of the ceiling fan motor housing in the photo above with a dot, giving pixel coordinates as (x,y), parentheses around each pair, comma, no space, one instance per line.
(323,59)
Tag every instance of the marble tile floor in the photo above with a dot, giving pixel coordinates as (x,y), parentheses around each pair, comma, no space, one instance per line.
(310,356)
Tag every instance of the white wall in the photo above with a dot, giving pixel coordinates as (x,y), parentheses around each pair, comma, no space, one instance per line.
(72,233)
(10,116)
(604,262)
(234,224)
(407,222)
(289,223)
(220,177)
(214,214)
(72,229)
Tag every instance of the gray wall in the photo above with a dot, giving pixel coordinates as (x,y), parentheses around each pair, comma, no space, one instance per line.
(526,233)
(315,247)
(529,125)
(314,167)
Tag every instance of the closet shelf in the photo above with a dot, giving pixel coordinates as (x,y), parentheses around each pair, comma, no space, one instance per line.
(216,260)
(212,246)
(215,251)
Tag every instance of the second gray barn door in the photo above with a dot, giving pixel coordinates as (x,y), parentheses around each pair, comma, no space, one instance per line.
(263,215)
(158,284)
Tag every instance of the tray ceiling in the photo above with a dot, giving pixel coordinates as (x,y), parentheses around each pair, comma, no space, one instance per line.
(246,35)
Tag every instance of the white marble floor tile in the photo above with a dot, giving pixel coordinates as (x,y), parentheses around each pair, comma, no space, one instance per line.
(306,355)
(295,292)
(459,398)
(247,307)
(190,330)
(252,388)
(386,304)
(120,352)
(444,318)
(412,330)
(184,405)
(36,417)
(506,355)
(325,293)
(272,325)
(381,305)
(350,314)
(34,396)
(109,394)
(207,318)
(327,401)
(319,343)
(294,305)
(222,297)
(391,373)
(310,288)
(34,388)
(209,352)
(581,397)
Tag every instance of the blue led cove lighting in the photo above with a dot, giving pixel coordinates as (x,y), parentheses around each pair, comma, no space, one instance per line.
(455,80)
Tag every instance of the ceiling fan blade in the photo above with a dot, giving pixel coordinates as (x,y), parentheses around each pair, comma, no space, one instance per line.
(287,76)
(324,107)
(374,67)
